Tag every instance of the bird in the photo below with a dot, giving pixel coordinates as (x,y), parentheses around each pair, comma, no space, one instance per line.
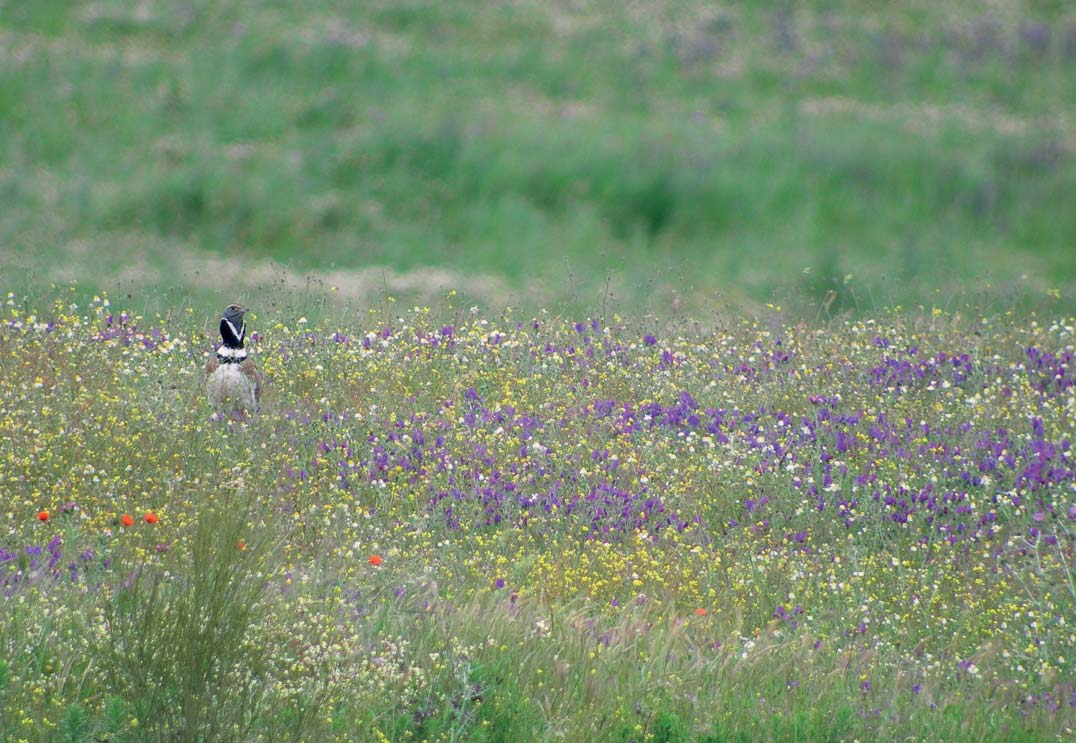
(233,383)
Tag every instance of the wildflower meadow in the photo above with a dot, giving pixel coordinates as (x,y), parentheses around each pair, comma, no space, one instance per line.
(457,525)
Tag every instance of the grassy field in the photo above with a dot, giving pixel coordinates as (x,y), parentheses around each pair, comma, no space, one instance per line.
(542,152)
(448,526)
(636,371)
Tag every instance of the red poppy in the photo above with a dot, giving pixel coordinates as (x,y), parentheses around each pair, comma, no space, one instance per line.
(151,517)
(240,545)
(42,515)
(126,520)
(375,560)
(700,612)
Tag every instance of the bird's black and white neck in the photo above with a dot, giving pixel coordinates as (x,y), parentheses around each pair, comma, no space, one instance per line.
(233,330)
(232,335)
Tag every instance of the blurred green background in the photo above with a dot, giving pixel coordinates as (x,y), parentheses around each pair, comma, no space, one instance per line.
(658,155)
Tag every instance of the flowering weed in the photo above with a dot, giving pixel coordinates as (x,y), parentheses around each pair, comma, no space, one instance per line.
(447,526)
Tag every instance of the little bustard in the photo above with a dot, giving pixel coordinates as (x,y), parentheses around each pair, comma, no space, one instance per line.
(233,383)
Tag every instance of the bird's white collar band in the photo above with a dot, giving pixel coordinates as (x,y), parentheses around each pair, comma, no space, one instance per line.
(227,355)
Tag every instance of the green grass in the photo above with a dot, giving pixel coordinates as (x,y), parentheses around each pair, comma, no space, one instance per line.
(552,150)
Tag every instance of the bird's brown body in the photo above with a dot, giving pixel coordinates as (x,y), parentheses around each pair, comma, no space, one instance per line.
(233,387)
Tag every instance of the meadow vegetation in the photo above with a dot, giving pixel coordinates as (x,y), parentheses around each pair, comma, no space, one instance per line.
(452,526)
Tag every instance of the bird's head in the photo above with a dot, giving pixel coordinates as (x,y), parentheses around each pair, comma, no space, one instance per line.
(233,313)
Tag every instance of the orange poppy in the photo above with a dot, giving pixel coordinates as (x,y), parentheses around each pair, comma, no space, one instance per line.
(375,560)
(126,520)
(151,517)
